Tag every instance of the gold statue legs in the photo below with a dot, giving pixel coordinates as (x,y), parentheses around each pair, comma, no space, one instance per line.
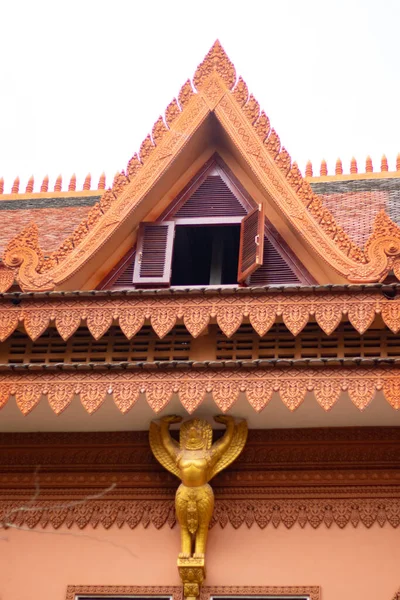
(194,509)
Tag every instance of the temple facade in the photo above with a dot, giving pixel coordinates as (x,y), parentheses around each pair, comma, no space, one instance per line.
(212,285)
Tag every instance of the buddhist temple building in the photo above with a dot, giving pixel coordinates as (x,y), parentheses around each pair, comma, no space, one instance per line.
(211,278)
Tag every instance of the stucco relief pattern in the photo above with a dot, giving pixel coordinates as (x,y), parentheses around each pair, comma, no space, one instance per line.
(225,384)
(196,312)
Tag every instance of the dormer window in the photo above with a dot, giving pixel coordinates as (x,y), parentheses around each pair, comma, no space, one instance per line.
(211,234)
(193,253)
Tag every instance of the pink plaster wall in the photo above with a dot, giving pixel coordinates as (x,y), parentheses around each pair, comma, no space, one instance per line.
(348,564)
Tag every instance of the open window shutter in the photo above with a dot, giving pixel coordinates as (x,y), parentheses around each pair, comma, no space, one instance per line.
(154,253)
(251,243)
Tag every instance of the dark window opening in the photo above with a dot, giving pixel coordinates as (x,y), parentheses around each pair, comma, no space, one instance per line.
(205,255)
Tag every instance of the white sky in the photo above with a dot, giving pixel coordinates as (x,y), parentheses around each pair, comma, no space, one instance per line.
(82,82)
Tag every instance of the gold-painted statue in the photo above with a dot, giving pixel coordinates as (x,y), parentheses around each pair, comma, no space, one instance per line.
(195,460)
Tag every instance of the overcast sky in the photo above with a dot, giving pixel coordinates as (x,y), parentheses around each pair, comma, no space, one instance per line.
(82,82)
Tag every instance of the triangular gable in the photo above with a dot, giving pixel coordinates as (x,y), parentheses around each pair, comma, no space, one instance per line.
(165,160)
(214,196)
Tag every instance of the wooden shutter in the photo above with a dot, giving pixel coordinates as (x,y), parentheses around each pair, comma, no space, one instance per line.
(154,253)
(251,243)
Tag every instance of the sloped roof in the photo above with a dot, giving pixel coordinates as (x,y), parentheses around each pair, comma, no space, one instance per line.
(57,216)
(318,219)
(356,203)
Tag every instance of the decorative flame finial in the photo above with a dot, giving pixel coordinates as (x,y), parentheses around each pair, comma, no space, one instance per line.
(324,169)
(384,163)
(29,185)
(45,184)
(338,167)
(72,183)
(368,165)
(87,182)
(1,185)
(398,162)
(15,187)
(216,61)
(102,181)
(309,171)
(58,184)
(353,166)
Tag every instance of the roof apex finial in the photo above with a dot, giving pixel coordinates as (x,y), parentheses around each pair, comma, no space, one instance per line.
(338,167)
(29,185)
(216,61)
(15,187)
(309,171)
(102,181)
(72,183)
(368,165)
(1,185)
(323,169)
(87,182)
(353,166)
(384,163)
(58,184)
(398,162)
(45,184)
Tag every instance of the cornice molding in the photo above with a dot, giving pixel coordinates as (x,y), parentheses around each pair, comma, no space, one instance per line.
(196,311)
(317,477)
(192,385)
(216,91)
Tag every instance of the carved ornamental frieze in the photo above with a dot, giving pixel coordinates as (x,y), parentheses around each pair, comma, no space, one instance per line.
(193,384)
(228,309)
(328,478)
(216,90)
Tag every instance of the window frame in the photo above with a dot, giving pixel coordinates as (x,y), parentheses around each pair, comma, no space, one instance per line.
(124,592)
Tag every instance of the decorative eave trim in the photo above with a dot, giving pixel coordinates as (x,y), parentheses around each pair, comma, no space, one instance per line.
(239,113)
(192,385)
(196,311)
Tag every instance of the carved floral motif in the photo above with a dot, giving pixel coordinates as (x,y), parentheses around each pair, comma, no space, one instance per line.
(257,512)
(192,385)
(7,277)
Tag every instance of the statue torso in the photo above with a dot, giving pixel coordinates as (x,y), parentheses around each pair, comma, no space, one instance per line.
(193,466)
